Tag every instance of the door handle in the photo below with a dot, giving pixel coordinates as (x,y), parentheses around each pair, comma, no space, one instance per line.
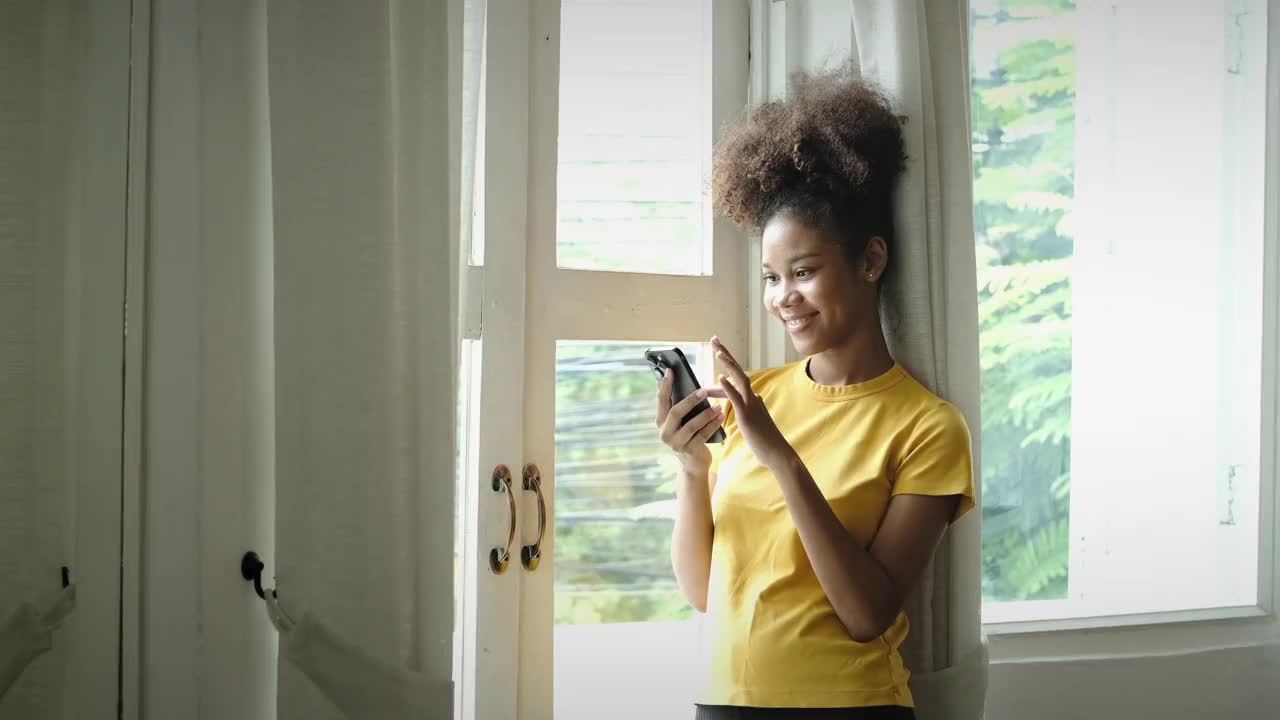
(499,557)
(531,555)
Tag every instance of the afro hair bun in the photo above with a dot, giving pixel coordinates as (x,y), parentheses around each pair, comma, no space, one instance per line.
(831,154)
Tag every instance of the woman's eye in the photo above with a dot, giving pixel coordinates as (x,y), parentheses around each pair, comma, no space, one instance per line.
(803,273)
(770,279)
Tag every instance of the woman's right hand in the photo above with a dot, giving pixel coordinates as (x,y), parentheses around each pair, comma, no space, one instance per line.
(688,442)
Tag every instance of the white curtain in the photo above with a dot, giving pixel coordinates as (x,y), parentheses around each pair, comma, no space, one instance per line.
(40,100)
(917,51)
(327,347)
(364,332)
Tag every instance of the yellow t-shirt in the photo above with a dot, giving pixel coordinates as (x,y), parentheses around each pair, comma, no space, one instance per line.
(772,638)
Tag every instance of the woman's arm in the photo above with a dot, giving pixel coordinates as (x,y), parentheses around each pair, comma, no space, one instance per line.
(691,538)
(866,586)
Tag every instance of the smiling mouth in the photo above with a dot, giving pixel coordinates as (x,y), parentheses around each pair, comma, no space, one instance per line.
(798,324)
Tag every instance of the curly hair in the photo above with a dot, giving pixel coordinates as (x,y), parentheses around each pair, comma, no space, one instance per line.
(830,155)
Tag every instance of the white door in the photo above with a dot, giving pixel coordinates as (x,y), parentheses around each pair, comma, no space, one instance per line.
(594,229)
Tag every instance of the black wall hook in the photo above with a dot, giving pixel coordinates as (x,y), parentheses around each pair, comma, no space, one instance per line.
(251,568)
(66,576)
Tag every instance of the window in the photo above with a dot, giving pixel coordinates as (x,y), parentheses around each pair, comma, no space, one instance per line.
(1118,191)
(633,144)
(615,497)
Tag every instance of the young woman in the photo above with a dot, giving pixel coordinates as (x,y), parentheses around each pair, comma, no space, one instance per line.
(802,535)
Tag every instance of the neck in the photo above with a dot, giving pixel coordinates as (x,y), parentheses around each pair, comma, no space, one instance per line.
(859,360)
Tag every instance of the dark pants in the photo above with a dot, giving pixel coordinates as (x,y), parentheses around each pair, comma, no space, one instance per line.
(725,712)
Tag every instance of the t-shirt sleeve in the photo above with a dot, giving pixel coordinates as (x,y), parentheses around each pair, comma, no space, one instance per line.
(938,459)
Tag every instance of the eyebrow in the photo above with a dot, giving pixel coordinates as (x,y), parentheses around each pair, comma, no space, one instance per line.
(795,258)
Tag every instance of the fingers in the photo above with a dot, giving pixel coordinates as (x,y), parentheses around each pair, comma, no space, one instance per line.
(732,393)
(711,417)
(686,406)
(704,434)
(669,424)
(664,397)
(732,366)
(709,429)
(721,350)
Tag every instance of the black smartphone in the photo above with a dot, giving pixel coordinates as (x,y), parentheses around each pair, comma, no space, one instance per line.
(684,381)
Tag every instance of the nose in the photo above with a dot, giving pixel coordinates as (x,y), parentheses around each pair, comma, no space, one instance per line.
(786,295)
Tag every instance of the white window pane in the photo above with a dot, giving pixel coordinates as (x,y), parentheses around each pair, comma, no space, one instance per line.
(1118,197)
(634,141)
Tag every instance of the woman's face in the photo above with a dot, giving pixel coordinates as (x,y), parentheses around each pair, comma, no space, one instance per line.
(822,298)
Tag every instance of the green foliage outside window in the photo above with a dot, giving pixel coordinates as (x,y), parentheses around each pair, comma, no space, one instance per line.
(1023,120)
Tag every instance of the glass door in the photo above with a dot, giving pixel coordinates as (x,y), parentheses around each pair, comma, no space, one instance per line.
(587,236)
(623,254)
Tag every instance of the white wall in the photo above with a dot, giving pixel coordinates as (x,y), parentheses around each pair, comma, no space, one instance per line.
(1238,683)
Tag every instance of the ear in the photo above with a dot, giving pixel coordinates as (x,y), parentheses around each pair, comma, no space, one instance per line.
(875,258)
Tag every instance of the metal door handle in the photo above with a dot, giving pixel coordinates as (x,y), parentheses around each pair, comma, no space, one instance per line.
(499,557)
(531,555)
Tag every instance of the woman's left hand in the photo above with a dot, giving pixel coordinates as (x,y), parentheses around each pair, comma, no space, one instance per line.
(752,417)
